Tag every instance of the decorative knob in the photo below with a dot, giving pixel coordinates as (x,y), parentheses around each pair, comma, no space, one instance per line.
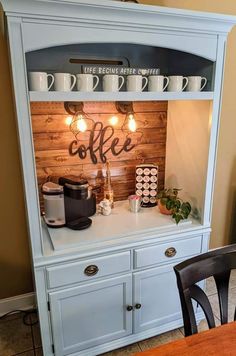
(129,307)
(138,306)
(91,270)
(170,252)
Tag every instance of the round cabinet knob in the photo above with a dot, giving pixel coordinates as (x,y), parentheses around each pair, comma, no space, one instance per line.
(91,270)
(138,306)
(129,307)
(170,252)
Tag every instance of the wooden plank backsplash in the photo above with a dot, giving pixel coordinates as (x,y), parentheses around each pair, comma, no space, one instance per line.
(52,137)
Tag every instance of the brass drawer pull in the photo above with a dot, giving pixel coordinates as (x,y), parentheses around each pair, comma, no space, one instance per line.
(170,252)
(91,270)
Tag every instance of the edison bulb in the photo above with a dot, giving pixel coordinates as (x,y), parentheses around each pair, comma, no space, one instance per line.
(132,123)
(81,124)
(113,120)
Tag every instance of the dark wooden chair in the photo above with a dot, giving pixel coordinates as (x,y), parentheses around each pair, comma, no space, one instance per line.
(218,264)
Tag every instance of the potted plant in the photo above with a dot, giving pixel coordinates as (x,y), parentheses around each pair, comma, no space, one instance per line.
(169,203)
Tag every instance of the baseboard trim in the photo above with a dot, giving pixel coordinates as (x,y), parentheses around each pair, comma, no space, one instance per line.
(19,302)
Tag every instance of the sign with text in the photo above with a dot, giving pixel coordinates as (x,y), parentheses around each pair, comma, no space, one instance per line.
(119,70)
(101,142)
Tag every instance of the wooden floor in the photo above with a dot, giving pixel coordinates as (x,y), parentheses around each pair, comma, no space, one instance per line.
(19,339)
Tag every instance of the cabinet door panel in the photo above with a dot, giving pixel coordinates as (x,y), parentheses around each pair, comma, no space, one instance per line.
(156,290)
(89,315)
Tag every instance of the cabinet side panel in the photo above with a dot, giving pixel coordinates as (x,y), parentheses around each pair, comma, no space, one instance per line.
(24,131)
(187,148)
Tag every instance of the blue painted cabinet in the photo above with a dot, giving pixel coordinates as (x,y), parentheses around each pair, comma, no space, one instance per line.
(96,313)
(88,312)
(90,315)
(156,290)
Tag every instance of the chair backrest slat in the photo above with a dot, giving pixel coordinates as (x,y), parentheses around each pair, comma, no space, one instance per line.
(222,284)
(217,263)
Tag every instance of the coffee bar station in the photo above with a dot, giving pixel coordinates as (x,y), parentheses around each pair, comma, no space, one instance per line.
(118,109)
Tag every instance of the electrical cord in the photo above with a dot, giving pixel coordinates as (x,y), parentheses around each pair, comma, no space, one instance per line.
(26,317)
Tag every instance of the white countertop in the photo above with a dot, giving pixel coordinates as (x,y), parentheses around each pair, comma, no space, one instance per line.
(121,223)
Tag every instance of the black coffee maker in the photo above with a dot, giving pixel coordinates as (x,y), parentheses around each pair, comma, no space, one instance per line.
(80,203)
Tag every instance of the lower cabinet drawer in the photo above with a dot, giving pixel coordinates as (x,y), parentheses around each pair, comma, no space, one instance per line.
(167,252)
(87,270)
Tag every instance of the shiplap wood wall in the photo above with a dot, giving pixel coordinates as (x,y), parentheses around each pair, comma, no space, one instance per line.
(52,137)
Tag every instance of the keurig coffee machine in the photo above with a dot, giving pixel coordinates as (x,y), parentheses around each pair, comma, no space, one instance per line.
(80,203)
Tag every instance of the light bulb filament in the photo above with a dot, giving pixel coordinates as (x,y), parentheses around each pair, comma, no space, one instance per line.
(132,123)
(81,124)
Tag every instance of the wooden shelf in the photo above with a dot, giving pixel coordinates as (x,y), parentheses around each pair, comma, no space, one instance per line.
(120,96)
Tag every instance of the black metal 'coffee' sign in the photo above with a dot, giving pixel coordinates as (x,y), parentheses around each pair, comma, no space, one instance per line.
(101,142)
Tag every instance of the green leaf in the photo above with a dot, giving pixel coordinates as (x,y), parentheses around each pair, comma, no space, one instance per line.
(169,205)
(178,217)
(163,201)
(178,204)
(185,215)
(188,205)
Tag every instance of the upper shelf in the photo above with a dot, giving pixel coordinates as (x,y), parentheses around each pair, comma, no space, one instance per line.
(119,96)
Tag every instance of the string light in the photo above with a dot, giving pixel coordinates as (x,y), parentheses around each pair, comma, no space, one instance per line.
(114,120)
(68,120)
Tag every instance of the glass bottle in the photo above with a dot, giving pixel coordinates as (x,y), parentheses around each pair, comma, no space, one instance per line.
(108,191)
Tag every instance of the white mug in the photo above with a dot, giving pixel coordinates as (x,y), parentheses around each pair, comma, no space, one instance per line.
(156,83)
(111,82)
(38,81)
(176,83)
(135,83)
(195,83)
(85,82)
(63,81)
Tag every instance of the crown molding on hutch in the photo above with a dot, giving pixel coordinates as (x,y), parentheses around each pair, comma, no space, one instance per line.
(120,12)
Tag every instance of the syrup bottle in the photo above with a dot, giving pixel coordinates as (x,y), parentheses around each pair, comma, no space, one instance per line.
(108,191)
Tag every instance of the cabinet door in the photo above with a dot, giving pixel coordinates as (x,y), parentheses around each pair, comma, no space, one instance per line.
(92,314)
(156,291)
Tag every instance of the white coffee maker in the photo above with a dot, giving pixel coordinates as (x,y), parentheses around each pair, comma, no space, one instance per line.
(54,209)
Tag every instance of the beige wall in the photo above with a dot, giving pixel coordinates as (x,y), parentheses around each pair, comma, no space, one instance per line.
(15,271)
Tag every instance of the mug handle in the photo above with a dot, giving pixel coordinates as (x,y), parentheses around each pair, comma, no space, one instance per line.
(145,84)
(204,84)
(97,81)
(74,81)
(52,77)
(185,78)
(122,81)
(167,82)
